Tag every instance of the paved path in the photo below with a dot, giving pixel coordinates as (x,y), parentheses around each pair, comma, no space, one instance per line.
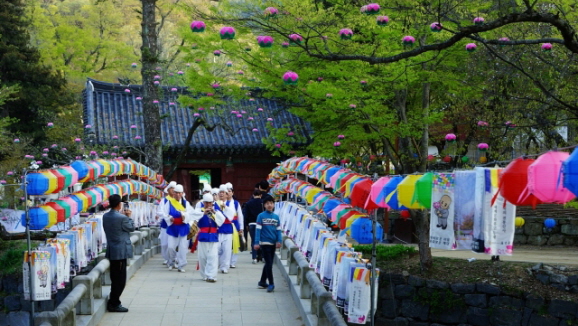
(157,296)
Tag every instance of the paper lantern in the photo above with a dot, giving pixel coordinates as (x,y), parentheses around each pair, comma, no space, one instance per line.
(38,184)
(408,40)
(362,231)
(545,180)
(198,26)
(38,218)
(370,9)
(81,168)
(435,27)
(483,159)
(52,181)
(60,179)
(547,47)
(513,182)
(295,39)
(405,214)
(423,190)
(330,205)
(391,190)
(447,159)
(471,47)
(265,41)
(406,190)
(479,21)
(549,223)
(520,222)
(60,213)
(227,33)
(345,34)
(377,193)
(570,170)
(290,78)
(382,20)
(271,12)
(451,138)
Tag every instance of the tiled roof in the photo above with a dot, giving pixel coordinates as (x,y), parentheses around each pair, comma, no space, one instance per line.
(111,111)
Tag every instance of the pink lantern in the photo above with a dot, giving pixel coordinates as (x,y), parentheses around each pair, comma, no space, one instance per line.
(217,53)
(337,144)
(408,40)
(435,27)
(157,77)
(265,41)
(329,95)
(346,34)
(483,124)
(239,115)
(340,136)
(134,65)
(215,86)
(269,119)
(138,98)
(271,12)
(45,150)
(250,118)
(285,44)
(382,20)
(290,78)
(547,47)
(503,39)
(127,90)
(50,125)
(483,147)
(255,130)
(156,102)
(240,72)
(174,89)
(370,9)
(260,109)
(78,140)
(53,146)
(352,106)
(278,145)
(157,83)
(546,182)
(201,109)
(479,21)
(198,26)
(132,126)
(227,33)
(295,38)
(450,138)
(88,126)
(137,137)
(196,115)
(290,134)
(180,73)
(115,137)
(471,47)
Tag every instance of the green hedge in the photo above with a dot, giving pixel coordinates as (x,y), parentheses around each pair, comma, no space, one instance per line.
(384,253)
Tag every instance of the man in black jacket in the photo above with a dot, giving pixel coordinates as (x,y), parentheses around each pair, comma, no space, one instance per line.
(251,209)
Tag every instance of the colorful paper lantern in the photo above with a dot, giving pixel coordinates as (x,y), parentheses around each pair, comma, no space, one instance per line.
(423,190)
(38,218)
(479,21)
(382,20)
(227,33)
(362,231)
(570,171)
(482,147)
(60,213)
(513,182)
(451,138)
(547,47)
(549,223)
(370,9)
(346,34)
(471,47)
(290,78)
(265,41)
(391,190)
(520,222)
(406,191)
(545,180)
(198,26)
(435,27)
(271,12)
(408,40)
(295,39)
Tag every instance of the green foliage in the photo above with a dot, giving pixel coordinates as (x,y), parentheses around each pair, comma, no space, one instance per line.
(387,253)
(11,255)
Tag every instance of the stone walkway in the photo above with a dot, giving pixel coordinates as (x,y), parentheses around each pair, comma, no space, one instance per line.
(157,296)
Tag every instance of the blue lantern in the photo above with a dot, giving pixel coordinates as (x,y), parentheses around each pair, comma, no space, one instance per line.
(38,184)
(361,231)
(38,218)
(81,167)
(550,223)
(330,205)
(570,170)
(390,190)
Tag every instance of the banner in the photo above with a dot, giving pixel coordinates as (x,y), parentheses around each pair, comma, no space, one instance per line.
(442,234)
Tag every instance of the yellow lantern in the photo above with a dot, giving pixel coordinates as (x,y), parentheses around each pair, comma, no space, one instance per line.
(483,159)
(405,190)
(520,222)
(52,215)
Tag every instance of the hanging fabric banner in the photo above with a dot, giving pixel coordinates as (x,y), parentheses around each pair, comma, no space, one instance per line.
(499,218)
(442,212)
(464,207)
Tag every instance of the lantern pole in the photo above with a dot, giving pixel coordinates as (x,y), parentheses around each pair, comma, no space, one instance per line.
(28,246)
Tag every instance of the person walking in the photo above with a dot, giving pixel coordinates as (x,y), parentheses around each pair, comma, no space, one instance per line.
(117,228)
(267,238)
(161,212)
(225,232)
(208,220)
(238,219)
(176,216)
(251,210)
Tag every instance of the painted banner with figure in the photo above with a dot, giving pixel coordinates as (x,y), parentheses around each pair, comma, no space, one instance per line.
(464,207)
(442,212)
(499,218)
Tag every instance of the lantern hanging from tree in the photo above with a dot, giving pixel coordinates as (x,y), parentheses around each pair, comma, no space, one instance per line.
(134,65)
(370,9)
(513,182)
(471,47)
(479,21)
(435,27)
(337,144)
(346,34)
(382,20)
(50,125)
(465,159)
(285,44)
(406,191)
(290,78)
(217,53)
(447,159)
(265,41)
(547,47)
(271,12)
(483,160)
(483,125)
(503,39)
(451,138)
(482,147)
(408,40)
(198,26)
(227,33)
(295,38)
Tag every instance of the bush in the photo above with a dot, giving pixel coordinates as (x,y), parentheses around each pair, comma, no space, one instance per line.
(12,255)
(385,253)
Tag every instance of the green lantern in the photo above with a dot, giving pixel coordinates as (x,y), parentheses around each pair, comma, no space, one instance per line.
(465,159)
(423,189)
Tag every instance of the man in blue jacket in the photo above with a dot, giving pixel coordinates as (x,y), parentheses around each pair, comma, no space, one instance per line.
(117,228)
(267,238)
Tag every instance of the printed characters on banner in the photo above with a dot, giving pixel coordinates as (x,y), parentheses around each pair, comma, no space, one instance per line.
(342,280)
(326,240)
(464,207)
(479,194)
(39,289)
(442,212)
(499,218)
(326,273)
(72,251)
(359,308)
(62,261)
(349,280)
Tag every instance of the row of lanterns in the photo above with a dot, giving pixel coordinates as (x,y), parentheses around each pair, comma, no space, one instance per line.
(55,180)
(57,211)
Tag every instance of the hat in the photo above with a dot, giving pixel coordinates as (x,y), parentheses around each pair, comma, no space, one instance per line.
(179,188)
(223,188)
(208,198)
(172,184)
(229,185)
(206,187)
(215,191)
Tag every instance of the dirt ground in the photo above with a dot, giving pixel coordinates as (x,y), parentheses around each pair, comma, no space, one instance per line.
(511,273)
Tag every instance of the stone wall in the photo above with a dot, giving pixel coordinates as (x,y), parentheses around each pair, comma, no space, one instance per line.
(534,233)
(413,301)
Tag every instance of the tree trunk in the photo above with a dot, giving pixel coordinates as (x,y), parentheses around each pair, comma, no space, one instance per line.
(150,59)
(422,226)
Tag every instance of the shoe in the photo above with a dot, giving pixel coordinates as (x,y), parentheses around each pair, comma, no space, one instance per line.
(176,265)
(254,261)
(262,285)
(165,262)
(210,280)
(181,270)
(171,267)
(233,266)
(118,308)
(270,288)
(224,271)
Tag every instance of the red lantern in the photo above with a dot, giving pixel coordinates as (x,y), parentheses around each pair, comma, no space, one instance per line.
(513,182)
(405,214)
(447,159)
(430,157)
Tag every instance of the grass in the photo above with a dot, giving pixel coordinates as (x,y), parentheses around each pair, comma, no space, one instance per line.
(12,255)
(387,253)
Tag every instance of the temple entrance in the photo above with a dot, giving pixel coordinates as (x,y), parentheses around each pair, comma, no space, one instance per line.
(199,177)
